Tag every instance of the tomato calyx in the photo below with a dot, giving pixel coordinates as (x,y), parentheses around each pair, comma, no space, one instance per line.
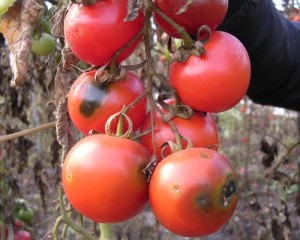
(114,73)
(197,49)
(105,75)
(121,116)
(175,146)
(175,110)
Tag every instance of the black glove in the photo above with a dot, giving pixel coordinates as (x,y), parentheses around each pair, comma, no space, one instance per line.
(273,44)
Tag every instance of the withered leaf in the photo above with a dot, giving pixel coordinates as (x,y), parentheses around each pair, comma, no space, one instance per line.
(17,25)
(65,130)
(277,230)
(57,22)
(185,7)
(270,151)
(133,7)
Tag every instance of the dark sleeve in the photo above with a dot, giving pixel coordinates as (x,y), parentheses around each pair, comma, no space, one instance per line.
(273,44)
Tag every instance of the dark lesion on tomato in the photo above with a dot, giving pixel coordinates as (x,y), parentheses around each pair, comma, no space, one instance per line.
(230,189)
(203,200)
(92,97)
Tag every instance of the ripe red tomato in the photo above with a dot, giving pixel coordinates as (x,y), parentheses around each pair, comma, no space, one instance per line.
(217,80)
(22,235)
(200,12)
(193,192)
(201,130)
(103,178)
(94,33)
(90,105)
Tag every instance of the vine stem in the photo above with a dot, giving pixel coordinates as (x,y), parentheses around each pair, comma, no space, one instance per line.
(151,73)
(27,132)
(106,232)
(180,30)
(65,219)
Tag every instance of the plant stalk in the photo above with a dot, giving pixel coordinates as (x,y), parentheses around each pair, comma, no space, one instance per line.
(106,232)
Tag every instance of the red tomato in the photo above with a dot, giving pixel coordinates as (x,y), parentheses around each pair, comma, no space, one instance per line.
(94,33)
(22,235)
(193,192)
(19,223)
(200,12)
(103,178)
(217,80)
(201,130)
(90,105)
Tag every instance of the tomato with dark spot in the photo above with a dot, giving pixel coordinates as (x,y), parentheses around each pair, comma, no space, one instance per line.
(217,80)
(193,192)
(198,13)
(103,178)
(94,33)
(200,129)
(90,103)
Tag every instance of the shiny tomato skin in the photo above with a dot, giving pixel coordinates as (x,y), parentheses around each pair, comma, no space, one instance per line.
(90,105)
(186,192)
(200,12)
(103,178)
(201,130)
(94,33)
(217,80)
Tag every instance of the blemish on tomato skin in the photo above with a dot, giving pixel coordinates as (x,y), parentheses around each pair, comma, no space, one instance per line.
(203,201)
(92,98)
(204,155)
(176,189)
(229,190)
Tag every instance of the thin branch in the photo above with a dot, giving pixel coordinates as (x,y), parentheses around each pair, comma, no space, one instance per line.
(27,132)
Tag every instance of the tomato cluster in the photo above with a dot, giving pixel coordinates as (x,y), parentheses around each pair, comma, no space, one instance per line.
(109,177)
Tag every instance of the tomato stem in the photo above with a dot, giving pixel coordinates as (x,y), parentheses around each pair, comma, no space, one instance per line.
(188,41)
(106,232)
(120,127)
(64,218)
(113,64)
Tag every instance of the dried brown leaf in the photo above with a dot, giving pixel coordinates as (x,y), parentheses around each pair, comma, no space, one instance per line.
(133,7)
(57,22)
(17,25)
(65,130)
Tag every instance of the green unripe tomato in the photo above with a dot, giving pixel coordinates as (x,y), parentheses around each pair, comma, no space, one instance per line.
(26,215)
(4,5)
(43,45)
